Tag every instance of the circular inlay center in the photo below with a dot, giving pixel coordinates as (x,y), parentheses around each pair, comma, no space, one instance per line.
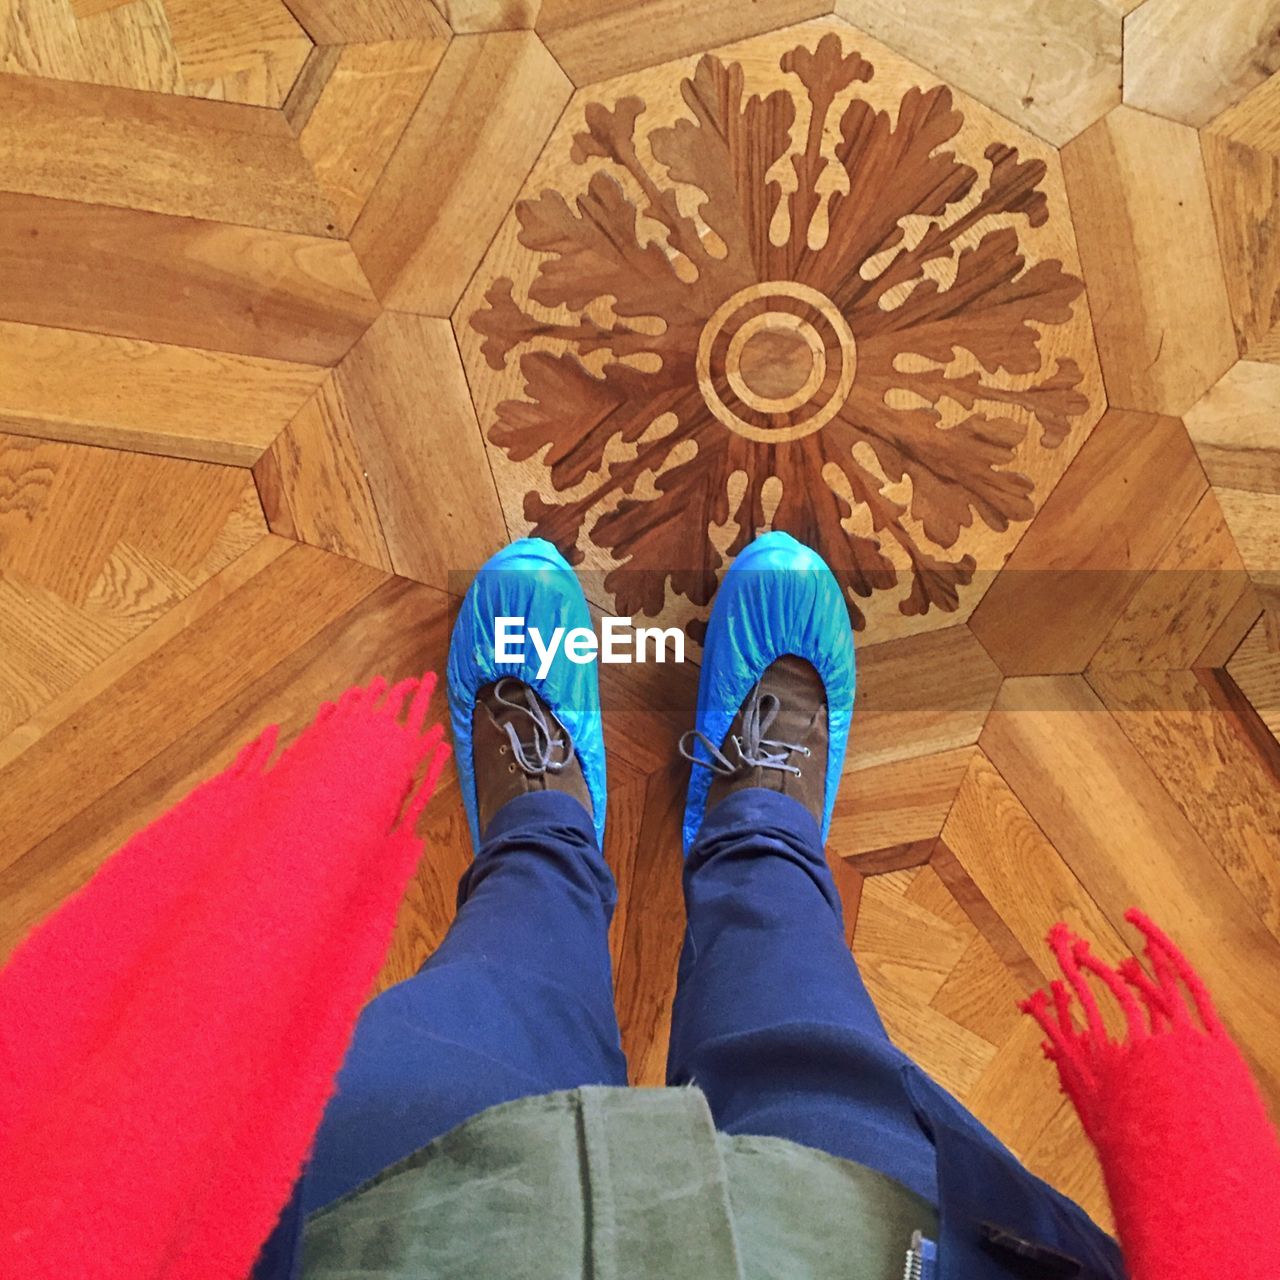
(775,362)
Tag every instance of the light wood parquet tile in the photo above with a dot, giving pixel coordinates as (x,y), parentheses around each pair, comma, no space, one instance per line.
(1225,788)
(1235,428)
(323,649)
(254,292)
(596,39)
(201,671)
(336,22)
(906,952)
(1236,44)
(396,412)
(1018,872)
(1196,600)
(349,108)
(1142,213)
(314,486)
(465,16)
(184,156)
(1099,536)
(246,51)
(94,547)
(1120,831)
(479,126)
(1242,161)
(89,388)
(100,43)
(1254,521)
(925,694)
(1054,68)
(1255,669)
(237,50)
(902,801)
(170,624)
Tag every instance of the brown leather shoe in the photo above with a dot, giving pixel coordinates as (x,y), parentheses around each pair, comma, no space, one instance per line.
(778,739)
(519,746)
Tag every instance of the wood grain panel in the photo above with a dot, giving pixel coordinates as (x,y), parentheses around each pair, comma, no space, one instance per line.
(226,288)
(1235,627)
(94,548)
(184,613)
(405,405)
(478,128)
(897,857)
(1254,521)
(1196,600)
(1245,185)
(237,50)
(980,994)
(356,625)
(1129,490)
(1017,1095)
(430,902)
(595,39)
(1064,1153)
(350,108)
(654,926)
(647,708)
(905,953)
(920,695)
(1053,67)
(1255,668)
(292,600)
(1226,790)
(490,15)
(246,51)
(113,44)
(1235,428)
(1018,871)
(314,485)
(1236,44)
(888,804)
(1148,245)
(330,22)
(89,389)
(1121,833)
(1254,120)
(969,898)
(197,159)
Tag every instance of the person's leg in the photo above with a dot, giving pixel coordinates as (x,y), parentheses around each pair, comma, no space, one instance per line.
(771,1016)
(517,1000)
(772,1020)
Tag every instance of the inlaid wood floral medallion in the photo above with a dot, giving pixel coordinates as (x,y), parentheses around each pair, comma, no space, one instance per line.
(797,284)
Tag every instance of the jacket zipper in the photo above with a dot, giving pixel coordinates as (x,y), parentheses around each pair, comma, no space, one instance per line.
(921,1258)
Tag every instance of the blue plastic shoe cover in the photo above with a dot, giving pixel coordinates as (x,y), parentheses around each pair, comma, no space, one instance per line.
(530,580)
(777,598)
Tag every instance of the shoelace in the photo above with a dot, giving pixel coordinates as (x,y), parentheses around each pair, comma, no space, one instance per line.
(755,751)
(552,747)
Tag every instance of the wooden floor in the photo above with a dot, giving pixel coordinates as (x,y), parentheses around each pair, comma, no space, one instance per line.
(306,307)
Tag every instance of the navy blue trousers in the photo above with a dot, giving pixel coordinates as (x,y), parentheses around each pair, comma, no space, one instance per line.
(771,1018)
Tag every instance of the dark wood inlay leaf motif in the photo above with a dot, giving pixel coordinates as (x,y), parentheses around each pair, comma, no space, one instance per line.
(850,316)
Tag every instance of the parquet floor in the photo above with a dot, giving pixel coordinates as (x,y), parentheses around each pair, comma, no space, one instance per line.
(307,306)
